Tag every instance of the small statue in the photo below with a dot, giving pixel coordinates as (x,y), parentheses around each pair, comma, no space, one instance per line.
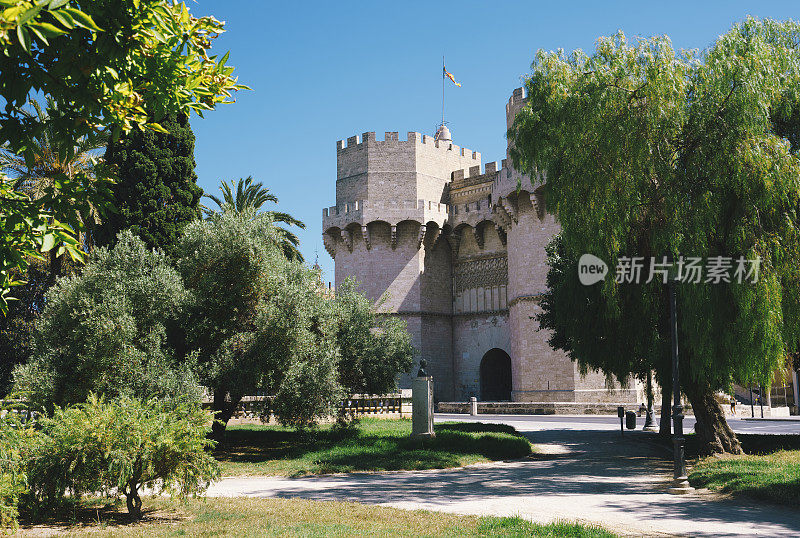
(422,365)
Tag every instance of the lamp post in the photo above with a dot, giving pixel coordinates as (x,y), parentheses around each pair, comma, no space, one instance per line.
(650,419)
(680,482)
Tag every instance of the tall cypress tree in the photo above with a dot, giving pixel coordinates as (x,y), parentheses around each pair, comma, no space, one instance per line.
(156,193)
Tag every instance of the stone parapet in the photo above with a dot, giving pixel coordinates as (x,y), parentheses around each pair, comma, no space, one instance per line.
(362,212)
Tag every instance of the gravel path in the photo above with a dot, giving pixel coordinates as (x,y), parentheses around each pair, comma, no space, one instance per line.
(590,476)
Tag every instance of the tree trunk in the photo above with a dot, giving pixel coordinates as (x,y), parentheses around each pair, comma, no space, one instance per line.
(712,430)
(223,411)
(55,264)
(133,501)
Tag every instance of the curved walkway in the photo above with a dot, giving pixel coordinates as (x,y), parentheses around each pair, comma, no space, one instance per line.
(590,476)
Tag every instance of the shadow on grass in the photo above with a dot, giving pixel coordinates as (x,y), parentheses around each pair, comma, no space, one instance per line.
(92,513)
(371,446)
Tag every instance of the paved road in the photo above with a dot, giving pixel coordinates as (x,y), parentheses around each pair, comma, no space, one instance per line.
(584,471)
(530,423)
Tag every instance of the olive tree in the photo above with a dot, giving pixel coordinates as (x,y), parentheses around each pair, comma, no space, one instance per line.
(105,330)
(375,347)
(256,320)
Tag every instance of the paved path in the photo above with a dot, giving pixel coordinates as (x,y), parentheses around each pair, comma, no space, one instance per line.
(587,475)
(611,423)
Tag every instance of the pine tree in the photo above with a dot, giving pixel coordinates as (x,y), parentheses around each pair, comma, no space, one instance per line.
(156,193)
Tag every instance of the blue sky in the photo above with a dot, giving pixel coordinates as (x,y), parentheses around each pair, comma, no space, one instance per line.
(323,71)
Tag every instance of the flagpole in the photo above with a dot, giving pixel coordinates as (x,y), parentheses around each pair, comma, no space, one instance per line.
(443,89)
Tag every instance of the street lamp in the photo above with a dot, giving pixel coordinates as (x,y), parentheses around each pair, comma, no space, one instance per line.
(650,419)
(680,482)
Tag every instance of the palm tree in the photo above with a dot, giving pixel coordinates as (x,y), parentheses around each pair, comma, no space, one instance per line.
(246,195)
(51,160)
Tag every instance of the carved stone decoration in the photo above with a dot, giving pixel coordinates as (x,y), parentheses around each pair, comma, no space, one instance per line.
(481,273)
(539,203)
(421,236)
(394,237)
(454,238)
(509,209)
(434,236)
(347,237)
(502,234)
(330,246)
(478,233)
(501,217)
(365,235)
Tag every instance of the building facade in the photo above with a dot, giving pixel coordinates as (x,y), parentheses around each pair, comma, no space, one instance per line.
(459,252)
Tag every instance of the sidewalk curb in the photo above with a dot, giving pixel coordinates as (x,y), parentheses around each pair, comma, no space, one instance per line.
(773,419)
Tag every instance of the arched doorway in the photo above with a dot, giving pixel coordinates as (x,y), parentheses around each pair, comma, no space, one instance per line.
(496,376)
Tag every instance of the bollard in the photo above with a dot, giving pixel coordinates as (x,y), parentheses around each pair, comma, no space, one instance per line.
(473,406)
(621,415)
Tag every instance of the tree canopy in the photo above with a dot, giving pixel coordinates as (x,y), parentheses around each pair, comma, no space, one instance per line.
(651,152)
(105,329)
(374,347)
(256,320)
(156,192)
(108,65)
(250,197)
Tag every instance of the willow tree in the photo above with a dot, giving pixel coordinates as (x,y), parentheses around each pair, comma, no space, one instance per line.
(648,151)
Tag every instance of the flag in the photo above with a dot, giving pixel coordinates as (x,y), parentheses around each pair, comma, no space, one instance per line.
(450,76)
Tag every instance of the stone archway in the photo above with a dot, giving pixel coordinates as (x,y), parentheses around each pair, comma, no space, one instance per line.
(495,373)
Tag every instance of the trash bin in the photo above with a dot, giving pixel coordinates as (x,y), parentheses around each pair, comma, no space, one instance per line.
(630,420)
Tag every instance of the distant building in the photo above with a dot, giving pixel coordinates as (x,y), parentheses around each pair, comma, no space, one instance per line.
(461,253)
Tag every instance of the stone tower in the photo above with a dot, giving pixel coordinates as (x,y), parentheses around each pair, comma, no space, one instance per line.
(385,231)
(459,253)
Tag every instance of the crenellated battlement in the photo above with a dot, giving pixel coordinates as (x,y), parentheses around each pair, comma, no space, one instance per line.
(357,142)
(473,176)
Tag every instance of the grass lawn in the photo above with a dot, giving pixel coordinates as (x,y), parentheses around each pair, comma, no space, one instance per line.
(374,445)
(773,477)
(294,517)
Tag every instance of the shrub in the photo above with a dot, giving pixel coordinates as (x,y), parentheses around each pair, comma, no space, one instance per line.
(105,331)
(121,446)
(375,348)
(13,480)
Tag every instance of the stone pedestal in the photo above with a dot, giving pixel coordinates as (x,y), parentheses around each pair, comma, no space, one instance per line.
(473,406)
(680,486)
(422,407)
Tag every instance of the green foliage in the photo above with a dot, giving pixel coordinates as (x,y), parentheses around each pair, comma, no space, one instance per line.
(630,339)
(123,446)
(374,348)
(105,331)
(14,439)
(108,65)
(30,228)
(18,326)
(256,320)
(651,152)
(773,477)
(250,197)
(156,193)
